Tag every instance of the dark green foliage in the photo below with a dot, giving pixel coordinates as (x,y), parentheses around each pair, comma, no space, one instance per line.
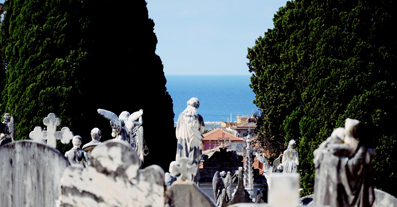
(323,62)
(72,57)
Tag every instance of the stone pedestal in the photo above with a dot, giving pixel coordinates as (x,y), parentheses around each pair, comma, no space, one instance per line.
(285,190)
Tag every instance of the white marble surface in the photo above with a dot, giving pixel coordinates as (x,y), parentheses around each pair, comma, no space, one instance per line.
(112,178)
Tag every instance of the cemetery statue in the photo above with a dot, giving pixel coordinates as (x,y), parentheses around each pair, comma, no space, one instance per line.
(76,155)
(189,130)
(227,181)
(290,158)
(267,168)
(277,165)
(217,185)
(343,169)
(126,128)
(6,129)
(96,135)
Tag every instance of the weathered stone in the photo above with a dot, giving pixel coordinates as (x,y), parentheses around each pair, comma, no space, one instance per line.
(240,195)
(187,194)
(51,135)
(112,178)
(30,174)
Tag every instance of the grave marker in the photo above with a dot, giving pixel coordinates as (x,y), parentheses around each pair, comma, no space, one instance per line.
(30,174)
(51,135)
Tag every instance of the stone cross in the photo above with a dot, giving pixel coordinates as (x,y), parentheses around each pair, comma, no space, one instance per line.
(51,135)
(183,167)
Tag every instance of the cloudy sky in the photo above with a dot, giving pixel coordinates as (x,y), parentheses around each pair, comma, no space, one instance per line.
(205,37)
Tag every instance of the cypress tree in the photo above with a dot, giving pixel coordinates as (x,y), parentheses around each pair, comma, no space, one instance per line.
(322,63)
(72,57)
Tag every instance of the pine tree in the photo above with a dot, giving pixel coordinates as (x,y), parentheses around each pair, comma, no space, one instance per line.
(322,63)
(72,57)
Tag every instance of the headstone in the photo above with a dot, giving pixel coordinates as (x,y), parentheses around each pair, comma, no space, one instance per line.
(285,190)
(51,135)
(187,194)
(184,168)
(30,174)
(112,178)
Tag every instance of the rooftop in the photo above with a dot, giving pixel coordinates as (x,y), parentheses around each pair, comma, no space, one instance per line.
(219,134)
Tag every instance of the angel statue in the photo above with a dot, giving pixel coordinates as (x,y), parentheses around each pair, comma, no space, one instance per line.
(126,128)
(7,129)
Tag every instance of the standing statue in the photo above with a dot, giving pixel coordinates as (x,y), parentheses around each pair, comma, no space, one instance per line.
(189,130)
(290,158)
(217,185)
(227,181)
(76,155)
(7,129)
(126,128)
(343,169)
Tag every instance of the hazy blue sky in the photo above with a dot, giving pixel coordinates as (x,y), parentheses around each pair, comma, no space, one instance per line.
(206,37)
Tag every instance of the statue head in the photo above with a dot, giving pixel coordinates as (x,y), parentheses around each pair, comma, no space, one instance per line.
(96,134)
(194,102)
(351,133)
(222,174)
(292,144)
(7,117)
(339,133)
(77,141)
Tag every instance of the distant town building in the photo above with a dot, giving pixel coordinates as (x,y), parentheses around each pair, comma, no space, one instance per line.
(243,127)
(220,138)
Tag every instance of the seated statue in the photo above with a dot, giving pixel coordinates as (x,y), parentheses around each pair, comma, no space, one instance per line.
(343,169)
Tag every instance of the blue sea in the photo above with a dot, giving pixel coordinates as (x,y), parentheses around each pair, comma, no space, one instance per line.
(219,96)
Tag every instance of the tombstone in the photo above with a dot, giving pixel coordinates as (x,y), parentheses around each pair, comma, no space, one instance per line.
(248,172)
(285,190)
(51,135)
(30,174)
(183,192)
(112,178)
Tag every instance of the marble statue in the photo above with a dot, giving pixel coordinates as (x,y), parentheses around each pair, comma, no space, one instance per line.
(227,181)
(76,155)
(290,158)
(343,169)
(217,185)
(7,129)
(96,135)
(126,128)
(267,168)
(189,130)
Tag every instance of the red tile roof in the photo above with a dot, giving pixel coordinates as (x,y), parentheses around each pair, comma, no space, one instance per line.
(219,133)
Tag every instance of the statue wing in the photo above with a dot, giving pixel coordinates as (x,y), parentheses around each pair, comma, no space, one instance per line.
(276,163)
(112,117)
(134,116)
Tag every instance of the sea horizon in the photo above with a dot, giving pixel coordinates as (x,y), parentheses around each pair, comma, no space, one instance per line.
(222,97)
